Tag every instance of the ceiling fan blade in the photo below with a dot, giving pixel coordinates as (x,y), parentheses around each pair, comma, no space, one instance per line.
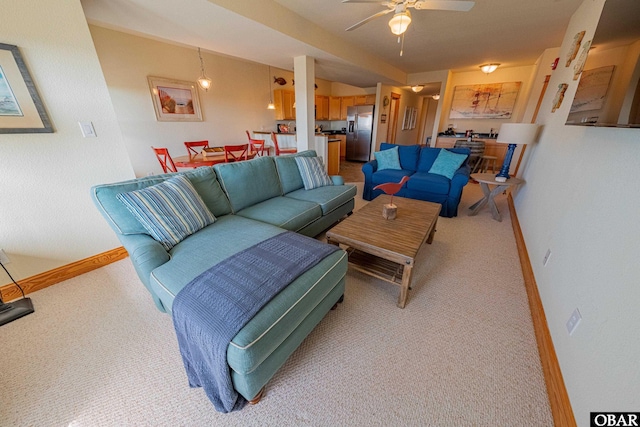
(455,5)
(371,18)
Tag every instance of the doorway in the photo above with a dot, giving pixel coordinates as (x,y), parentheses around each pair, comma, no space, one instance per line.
(393,118)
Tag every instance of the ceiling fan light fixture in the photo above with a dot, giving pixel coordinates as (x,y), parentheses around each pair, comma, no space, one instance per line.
(203,81)
(417,88)
(489,68)
(436,96)
(400,22)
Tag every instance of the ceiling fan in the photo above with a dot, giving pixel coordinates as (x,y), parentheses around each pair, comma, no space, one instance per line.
(400,8)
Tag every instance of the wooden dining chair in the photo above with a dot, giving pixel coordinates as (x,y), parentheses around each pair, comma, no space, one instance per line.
(236,153)
(257,148)
(193,145)
(165,159)
(274,139)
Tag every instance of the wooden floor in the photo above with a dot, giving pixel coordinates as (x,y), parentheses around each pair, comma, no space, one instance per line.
(351,171)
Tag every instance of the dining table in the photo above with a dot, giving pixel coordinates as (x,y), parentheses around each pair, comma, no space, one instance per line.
(198,160)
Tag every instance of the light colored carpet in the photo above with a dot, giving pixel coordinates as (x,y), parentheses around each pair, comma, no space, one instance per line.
(97,353)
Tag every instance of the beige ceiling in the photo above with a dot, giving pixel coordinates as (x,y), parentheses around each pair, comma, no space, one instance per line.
(511,32)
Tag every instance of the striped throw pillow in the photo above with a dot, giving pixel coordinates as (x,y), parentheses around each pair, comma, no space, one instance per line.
(169,211)
(312,172)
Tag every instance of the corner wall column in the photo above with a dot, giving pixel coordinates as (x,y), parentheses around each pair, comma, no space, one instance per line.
(304,73)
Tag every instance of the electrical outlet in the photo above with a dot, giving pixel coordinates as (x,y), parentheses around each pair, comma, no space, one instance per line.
(546,257)
(573,321)
(4,259)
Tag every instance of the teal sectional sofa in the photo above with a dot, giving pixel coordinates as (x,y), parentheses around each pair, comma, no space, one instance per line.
(252,201)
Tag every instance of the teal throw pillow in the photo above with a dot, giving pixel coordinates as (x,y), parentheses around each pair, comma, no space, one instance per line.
(447,163)
(388,159)
(312,172)
(169,211)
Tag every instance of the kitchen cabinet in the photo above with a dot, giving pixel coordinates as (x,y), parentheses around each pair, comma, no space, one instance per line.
(346,101)
(284,100)
(322,107)
(333,157)
(365,100)
(343,144)
(335,105)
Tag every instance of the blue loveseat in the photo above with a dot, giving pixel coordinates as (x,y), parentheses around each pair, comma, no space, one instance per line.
(415,162)
(252,201)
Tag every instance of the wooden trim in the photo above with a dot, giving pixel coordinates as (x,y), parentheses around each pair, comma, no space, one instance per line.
(51,277)
(558,396)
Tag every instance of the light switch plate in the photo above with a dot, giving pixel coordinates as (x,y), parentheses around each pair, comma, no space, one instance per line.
(573,321)
(87,129)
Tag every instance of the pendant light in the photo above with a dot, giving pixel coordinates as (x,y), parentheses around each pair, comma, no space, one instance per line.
(271,105)
(203,81)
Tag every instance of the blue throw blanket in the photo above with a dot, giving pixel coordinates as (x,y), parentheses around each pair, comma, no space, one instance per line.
(210,310)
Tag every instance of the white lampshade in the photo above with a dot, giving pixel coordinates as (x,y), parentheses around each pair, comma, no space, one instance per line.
(400,22)
(417,88)
(517,133)
(436,96)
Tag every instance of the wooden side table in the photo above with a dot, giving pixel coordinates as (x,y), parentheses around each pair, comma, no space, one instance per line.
(485,180)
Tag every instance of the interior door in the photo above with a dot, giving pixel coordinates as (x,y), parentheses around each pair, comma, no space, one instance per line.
(393,118)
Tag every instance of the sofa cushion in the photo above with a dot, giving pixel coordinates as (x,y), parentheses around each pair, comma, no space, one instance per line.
(388,159)
(124,222)
(201,250)
(168,211)
(249,182)
(428,155)
(288,172)
(408,155)
(389,175)
(312,172)
(329,198)
(447,163)
(286,212)
(429,183)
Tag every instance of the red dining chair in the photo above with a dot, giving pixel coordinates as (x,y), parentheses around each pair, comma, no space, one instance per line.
(192,145)
(274,138)
(165,159)
(236,153)
(257,146)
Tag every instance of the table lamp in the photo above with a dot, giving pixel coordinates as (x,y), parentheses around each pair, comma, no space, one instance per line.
(514,134)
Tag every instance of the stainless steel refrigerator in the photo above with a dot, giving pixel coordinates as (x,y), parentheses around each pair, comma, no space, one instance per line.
(359,132)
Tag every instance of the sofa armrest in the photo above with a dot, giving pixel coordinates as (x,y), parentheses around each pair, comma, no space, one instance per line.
(459,180)
(337,180)
(146,254)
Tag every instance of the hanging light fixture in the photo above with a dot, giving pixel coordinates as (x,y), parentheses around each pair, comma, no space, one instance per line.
(400,21)
(417,88)
(271,105)
(489,68)
(203,81)
(436,96)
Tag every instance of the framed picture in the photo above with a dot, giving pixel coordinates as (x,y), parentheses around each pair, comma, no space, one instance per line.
(409,119)
(175,100)
(484,101)
(592,89)
(21,109)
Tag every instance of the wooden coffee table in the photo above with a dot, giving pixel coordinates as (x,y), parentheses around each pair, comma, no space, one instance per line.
(386,249)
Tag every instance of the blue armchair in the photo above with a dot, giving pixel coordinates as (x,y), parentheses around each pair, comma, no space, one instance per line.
(416,161)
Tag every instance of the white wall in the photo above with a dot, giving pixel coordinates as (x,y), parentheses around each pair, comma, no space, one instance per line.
(581,202)
(47,218)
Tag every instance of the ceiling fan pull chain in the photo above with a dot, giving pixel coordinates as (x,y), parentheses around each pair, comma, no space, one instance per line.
(402,45)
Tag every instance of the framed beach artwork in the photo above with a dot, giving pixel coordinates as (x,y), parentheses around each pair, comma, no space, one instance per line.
(592,89)
(175,100)
(21,109)
(484,101)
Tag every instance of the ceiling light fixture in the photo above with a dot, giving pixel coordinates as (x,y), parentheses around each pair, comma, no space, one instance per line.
(436,96)
(489,68)
(271,105)
(400,21)
(203,81)
(417,88)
